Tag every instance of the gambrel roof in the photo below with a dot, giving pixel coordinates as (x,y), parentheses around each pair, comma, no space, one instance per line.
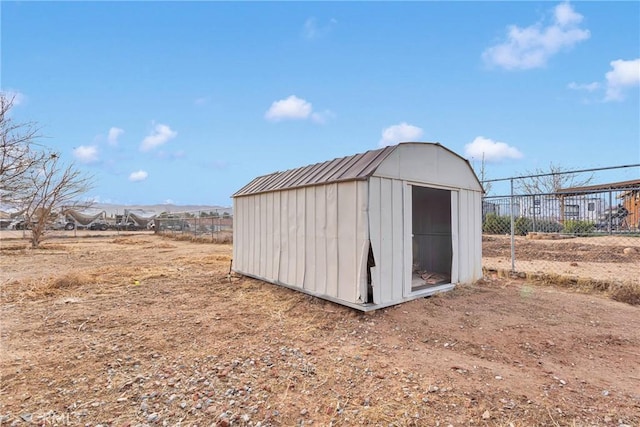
(350,168)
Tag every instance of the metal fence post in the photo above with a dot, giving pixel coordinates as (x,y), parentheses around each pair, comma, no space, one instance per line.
(610,219)
(533,207)
(513,229)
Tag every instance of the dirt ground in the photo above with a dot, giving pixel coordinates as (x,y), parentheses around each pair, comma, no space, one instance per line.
(145,330)
(614,259)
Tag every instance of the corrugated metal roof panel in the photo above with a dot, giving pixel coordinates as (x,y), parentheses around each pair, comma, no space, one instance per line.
(602,187)
(349,168)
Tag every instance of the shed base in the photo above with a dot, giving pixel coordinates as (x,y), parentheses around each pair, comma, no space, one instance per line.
(365,307)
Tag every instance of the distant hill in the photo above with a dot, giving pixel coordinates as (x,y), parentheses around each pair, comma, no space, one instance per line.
(112,209)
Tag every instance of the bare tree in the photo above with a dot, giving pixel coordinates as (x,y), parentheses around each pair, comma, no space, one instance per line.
(553,180)
(18,152)
(482,176)
(32,177)
(50,187)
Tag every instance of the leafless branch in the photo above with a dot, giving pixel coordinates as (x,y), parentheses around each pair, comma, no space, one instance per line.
(18,151)
(552,180)
(33,178)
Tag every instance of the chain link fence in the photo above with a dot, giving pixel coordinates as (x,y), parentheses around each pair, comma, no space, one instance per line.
(586,232)
(196,225)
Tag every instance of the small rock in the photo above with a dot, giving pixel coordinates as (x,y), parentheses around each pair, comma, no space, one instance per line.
(144,407)
(152,418)
(605,392)
(183,404)
(26,418)
(498,377)
(628,251)
(486,415)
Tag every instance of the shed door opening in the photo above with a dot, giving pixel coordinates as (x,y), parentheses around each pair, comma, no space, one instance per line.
(432,241)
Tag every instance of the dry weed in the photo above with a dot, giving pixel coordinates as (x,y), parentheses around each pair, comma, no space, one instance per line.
(162,245)
(221,237)
(180,237)
(41,288)
(14,248)
(70,281)
(627,293)
(53,247)
(623,292)
(129,241)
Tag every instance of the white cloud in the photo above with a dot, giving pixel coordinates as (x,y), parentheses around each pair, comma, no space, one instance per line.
(312,30)
(17,96)
(167,155)
(624,74)
(114,134)
(138,176)
(292,108)
(322,117)
(589,87)
(402,132)
(86,153)
(565,15)
(488,150)
(160,135)
(533,46)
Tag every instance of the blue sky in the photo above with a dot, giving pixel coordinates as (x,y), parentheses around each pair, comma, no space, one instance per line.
(185,102)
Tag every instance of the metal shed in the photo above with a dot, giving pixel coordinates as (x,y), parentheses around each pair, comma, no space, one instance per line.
(367,231)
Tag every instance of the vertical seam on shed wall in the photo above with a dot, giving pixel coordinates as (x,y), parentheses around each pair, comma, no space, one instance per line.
(374,235)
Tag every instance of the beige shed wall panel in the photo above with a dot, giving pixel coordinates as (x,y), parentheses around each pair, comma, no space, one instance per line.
(427,164)
(331,233)
(386,227)
(352,239)
(456,240)
(311,246)
(319,284)
(312,238)
(470,237)
(283,267)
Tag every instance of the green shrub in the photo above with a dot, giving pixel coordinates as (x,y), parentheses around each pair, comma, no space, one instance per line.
(578,227)
(523,226)
(494,224)
(548,226)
